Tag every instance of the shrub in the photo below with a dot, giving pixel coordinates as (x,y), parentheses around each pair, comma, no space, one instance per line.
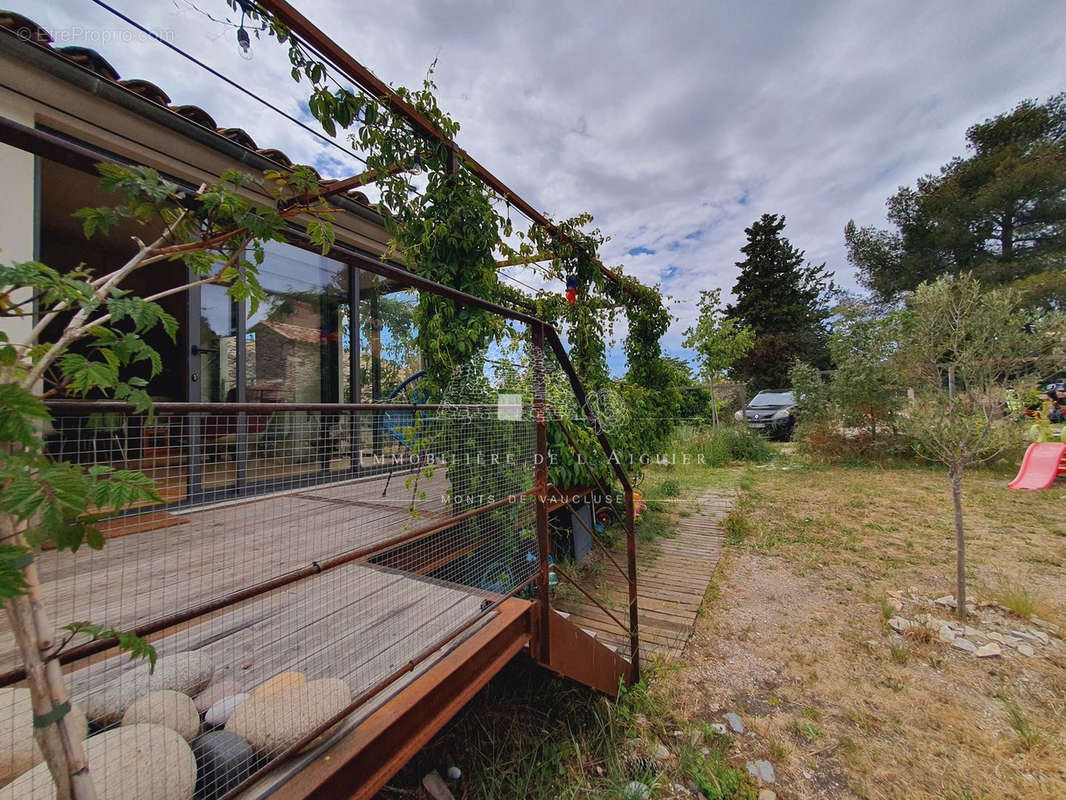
(743,444)
(717,447)
(670,488)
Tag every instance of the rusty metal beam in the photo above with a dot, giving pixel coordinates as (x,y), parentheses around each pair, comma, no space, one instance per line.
(307,32)
(47,145)
(631,563)
(579,656)
(543,643)
(354,182)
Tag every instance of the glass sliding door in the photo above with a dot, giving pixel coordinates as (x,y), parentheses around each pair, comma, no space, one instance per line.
(294,348)
(217,442)
(220,381)
(294,338)
(297,353)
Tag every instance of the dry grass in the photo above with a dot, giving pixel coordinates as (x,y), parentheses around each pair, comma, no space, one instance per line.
(799,624)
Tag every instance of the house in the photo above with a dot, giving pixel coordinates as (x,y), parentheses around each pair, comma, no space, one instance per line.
(335,618)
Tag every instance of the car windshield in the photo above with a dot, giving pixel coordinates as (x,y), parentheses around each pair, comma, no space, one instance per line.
(773,399)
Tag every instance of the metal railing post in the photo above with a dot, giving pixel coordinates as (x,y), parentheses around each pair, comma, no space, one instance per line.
(541,473)
(631,558)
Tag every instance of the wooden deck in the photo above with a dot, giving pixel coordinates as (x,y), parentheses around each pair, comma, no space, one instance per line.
(148,575)
(672,578)
(359,622)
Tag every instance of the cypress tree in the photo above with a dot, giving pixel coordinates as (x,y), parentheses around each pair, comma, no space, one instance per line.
(784,300)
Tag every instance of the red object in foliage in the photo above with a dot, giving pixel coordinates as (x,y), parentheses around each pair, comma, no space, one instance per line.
(571,296)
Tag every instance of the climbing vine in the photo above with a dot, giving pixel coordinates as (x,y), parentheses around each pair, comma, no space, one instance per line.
(450,231)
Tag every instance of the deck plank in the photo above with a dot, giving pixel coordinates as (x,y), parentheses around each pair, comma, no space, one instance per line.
(670,586)
(146,576)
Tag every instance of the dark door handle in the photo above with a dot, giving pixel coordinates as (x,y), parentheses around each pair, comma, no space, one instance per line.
(199,351)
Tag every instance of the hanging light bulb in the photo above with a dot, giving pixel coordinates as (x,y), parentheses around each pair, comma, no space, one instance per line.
(416,169)
(508,213)
(245,43)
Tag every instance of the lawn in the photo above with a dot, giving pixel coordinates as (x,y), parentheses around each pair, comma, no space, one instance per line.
(794,637)
(797,639)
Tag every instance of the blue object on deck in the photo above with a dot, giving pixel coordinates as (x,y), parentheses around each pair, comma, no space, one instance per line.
(397,423)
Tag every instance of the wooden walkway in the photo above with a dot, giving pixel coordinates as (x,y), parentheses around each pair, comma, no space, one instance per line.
(672,578)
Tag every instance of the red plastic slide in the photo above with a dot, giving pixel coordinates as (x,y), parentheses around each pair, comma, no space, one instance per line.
(1040,467)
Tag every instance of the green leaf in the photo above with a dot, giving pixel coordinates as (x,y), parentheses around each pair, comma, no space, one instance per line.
(13,559)
(20,414)
(136,646)
(96,220)
(321,234)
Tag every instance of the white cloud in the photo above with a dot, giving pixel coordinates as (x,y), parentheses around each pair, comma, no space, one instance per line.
(659,118)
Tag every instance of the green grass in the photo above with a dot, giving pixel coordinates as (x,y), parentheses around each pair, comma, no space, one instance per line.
(737,528)
(670,488)
(530,735)
(702,457)
(1028,736)
(805,731)
(1018,599)
(887,610)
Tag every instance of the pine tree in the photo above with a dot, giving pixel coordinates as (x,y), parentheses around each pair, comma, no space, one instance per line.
(783,300)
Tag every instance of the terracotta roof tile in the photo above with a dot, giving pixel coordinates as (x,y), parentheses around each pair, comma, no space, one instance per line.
(89,58)
(25,28)
(147,90)
(240,136)
(275,155)
(197,115)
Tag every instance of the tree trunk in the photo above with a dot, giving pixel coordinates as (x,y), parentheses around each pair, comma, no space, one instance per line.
(59,743)
(1006,234)
(714,407)
(960,545)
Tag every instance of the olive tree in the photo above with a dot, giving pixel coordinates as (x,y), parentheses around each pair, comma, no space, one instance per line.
(961,345)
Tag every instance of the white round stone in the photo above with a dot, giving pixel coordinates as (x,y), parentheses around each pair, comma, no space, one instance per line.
(277,721)
(171,709)
(188,673)
(18,748)
(134,762)
(220,712)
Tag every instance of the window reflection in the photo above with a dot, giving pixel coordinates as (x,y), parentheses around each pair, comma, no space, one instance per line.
(293,340)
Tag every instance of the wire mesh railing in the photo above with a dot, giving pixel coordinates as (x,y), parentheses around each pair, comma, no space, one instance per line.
(298,563)
(279,579)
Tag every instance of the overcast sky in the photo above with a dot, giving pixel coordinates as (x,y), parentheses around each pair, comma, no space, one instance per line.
(676,124)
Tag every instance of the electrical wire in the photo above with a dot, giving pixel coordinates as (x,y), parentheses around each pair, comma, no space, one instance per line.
(513,279)
(227,80)
(241,88)
(256,97)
